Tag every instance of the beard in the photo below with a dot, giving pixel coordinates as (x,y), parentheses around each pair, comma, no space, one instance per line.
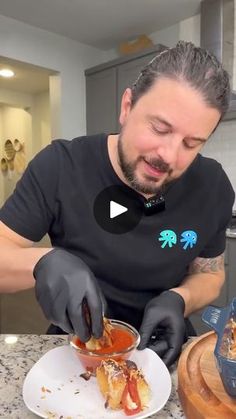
(150,184)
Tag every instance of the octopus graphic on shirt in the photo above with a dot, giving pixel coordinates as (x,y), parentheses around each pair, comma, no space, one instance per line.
(169,238)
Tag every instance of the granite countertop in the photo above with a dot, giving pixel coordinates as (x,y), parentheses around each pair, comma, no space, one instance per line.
(18,358)
(231,232)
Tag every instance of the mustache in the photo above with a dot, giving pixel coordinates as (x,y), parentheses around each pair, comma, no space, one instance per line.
(159,164)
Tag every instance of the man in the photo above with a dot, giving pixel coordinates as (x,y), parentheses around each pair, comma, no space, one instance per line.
(171,263)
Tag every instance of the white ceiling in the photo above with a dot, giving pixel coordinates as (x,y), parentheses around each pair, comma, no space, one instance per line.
(28,78)
(100,23)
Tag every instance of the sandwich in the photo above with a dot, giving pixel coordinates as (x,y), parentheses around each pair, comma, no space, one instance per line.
(123,386)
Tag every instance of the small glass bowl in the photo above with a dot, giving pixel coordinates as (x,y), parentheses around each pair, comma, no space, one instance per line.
(91,360)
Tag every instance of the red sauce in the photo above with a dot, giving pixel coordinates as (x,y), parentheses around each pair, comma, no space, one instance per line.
(122,339)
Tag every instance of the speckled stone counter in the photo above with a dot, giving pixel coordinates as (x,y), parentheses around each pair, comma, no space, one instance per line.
(17,359)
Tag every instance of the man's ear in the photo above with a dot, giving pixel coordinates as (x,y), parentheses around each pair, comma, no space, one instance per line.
(125,106)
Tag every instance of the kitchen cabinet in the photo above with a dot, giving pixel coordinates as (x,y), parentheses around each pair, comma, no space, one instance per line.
(101,101)
(229,289)
(105,85)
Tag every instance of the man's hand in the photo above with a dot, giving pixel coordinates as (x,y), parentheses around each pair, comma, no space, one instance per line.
(163,327)
(68,293)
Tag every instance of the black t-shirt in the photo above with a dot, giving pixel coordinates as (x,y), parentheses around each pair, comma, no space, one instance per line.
(56,195)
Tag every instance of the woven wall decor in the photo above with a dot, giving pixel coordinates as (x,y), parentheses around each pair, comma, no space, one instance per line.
(14,157)
(17,145)
(4,165)
(9,150)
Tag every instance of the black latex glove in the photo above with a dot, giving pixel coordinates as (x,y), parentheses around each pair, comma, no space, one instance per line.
(67,291)
(163,327)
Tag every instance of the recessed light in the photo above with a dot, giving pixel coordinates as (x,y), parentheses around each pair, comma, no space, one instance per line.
(5,72)
(11,339)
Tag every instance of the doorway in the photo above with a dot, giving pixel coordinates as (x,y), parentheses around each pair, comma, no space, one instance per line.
(26,124)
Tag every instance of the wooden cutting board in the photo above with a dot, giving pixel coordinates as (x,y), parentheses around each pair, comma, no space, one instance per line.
(200,388)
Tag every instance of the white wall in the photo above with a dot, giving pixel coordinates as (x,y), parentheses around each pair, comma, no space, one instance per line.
(189,30)
(35,46)
(186,30)
(38,106)
(17,100)
(16,123)
(13,98)
(168,36)
(29,122)
(41,131)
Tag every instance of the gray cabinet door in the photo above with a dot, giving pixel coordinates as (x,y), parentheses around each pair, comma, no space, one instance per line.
(101,110)
(127,73)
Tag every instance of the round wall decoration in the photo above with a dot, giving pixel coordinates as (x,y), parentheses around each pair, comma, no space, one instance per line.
(9,150)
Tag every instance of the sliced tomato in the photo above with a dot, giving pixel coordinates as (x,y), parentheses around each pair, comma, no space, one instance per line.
(132,392)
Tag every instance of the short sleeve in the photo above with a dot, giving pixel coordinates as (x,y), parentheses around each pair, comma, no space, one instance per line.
(29,210)
(223,214)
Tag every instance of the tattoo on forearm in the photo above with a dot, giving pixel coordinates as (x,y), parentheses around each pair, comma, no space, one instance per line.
(207,265)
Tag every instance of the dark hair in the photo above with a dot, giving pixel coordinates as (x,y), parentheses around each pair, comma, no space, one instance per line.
(195,65)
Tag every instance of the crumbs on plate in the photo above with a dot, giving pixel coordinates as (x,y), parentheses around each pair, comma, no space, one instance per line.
(51,415)
(44,390)
(88,374)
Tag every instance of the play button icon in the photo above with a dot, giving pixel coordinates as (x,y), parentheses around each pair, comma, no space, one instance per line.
(118,209)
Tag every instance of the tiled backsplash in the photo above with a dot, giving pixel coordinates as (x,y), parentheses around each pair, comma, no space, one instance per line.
(222,147)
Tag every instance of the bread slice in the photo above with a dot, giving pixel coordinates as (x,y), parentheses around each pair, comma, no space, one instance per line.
(113,379)
(105,341)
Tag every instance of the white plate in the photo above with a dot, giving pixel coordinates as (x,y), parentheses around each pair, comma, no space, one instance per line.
(71,396)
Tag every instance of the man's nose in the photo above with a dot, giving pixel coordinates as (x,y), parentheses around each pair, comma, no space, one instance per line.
(169,149)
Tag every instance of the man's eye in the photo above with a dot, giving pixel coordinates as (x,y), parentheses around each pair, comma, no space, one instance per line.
(158,130)
(190,146)
(186,145)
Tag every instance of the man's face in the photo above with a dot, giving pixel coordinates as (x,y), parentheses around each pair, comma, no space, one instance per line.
(162,134)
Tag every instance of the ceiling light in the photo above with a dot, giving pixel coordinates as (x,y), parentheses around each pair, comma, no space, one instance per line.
(11,339)
(6,73)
